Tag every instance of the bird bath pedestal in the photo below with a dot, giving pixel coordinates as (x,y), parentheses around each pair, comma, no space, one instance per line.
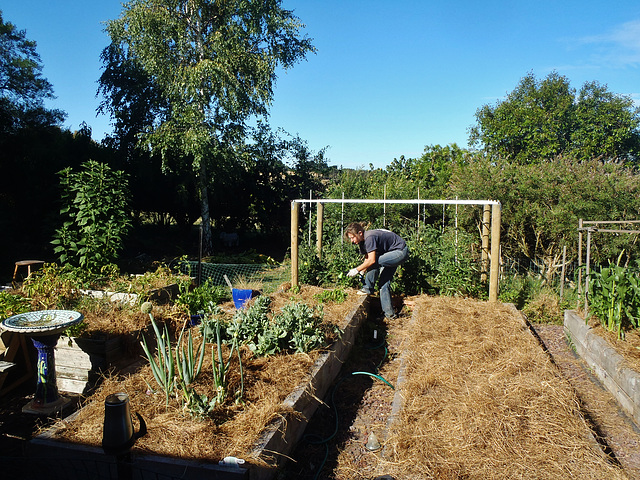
(44,327)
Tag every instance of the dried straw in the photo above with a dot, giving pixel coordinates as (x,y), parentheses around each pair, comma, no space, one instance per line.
(482,400)
(232,429)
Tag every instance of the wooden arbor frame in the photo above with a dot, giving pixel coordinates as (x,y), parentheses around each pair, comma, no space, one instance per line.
(582,227)
(490,232)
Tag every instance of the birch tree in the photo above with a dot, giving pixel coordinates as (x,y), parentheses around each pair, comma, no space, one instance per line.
(215,64)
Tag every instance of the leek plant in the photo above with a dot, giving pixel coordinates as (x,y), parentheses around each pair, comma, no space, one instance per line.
(189,364)
(162,364)
(220,366)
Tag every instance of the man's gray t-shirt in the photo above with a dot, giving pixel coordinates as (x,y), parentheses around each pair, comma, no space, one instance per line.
(382,241)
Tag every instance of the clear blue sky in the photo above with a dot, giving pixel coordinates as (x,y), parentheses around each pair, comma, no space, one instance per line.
(389,77)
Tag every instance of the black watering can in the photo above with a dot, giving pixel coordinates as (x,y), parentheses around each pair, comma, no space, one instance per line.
(118,435)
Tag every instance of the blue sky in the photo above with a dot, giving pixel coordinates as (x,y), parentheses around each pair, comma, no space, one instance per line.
(389,77)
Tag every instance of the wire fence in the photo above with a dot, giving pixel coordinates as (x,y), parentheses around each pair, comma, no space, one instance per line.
(268,277)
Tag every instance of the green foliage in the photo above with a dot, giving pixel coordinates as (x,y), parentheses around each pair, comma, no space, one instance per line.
(336,261)
(518,289)
(176,371)
(542,203)
(24,89)
(203,298)
(302,325)
(95,216)
(338,257)
(538,301)
(251,320)
(297,328)
(55,287)
(541,120)
(336,295)
(440,262)
(12,304)
(213,67)
(614,297)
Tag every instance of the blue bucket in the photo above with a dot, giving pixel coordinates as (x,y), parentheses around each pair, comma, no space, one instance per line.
(241,296)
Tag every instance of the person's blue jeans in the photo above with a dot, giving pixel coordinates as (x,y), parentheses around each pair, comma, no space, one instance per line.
(383,271)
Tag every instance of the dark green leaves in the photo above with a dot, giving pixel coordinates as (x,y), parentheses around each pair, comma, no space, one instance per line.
(95,216)
(541,120)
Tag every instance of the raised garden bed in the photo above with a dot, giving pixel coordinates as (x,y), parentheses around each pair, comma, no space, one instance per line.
(81,362)
(609,366)
(157,295)
(270,447)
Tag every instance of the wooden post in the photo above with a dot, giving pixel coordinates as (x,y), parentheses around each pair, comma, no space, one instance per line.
(295,209)
(586,276)
(579,261)
(319,222)
(484,265)
(564,263)
(494,273)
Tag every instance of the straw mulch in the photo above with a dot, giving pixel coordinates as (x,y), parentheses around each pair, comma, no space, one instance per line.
(232,429)
(482,400)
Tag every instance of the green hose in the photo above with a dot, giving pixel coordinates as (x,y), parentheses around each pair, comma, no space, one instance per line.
(325,441)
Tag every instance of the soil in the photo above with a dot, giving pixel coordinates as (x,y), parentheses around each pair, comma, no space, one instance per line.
(365,404)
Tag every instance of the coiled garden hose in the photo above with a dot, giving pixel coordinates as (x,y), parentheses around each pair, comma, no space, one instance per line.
(325,441)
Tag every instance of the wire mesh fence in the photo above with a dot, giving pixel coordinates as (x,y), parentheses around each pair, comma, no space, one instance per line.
(269,277)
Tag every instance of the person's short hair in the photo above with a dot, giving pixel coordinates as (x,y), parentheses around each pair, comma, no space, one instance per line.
(354,228)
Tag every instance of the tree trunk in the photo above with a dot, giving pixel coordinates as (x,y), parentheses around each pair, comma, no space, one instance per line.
(207,243)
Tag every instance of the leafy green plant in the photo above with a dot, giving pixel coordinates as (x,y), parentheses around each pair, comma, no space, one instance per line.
(249,322)
(302,325)
(203,298)
(336,295)
(614,297)
(95,216)
(296,328)
(337,259)
(12,304)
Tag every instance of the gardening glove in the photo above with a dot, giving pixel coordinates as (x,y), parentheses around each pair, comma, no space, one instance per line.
(353,272)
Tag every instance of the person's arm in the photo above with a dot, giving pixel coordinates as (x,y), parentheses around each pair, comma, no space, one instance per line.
(369,260)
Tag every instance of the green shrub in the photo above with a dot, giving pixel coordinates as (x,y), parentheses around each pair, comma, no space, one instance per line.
(12,304)
(95,216)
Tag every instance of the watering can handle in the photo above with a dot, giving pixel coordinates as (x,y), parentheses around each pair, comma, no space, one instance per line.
(142,431)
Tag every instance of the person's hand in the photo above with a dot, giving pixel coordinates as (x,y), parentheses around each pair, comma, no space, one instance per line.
(353,272)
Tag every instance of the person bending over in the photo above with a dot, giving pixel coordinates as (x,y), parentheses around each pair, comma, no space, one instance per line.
(383,251)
